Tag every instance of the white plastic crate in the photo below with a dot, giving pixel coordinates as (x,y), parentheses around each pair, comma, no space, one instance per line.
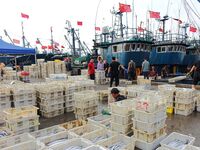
(5,105)
(181,106)
(100,120)
(177,137)
(123,129)
(123,120)
(4,132)
(27,130)
(48,132)
(69,103)
(84,111)
(51,101)
(149,127)
(77,143)
(85,116)
(95,147)
(186,112)
(124,107)
(99,136)
(184,100)
(149,146)
(198,108)
(185,93)
(86,104)
(53,113)
(4,98)
(148,137)
(121,141)
(83,130)
(24,96)
(50,108)
(190,147)
(149,117)
(15,140)
(69,109)
(23,103)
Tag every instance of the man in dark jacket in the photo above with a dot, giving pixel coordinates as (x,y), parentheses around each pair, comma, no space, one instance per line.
(116,95)
(114,72)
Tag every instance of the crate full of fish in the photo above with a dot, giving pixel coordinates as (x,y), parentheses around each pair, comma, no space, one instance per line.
(123,129)
(119,142)
(99,136)
(177,141)
(73,144)
(83,130)
(123,120)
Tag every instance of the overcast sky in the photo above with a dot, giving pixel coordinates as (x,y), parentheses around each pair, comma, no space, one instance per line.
(46,13)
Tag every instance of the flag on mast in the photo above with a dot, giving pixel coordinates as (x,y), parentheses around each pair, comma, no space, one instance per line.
(124,8)
(24,16)
(193,29)
(16,41)
(155,15)
(79,23)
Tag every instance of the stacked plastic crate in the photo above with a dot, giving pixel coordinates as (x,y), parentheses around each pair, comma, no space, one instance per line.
(21,120)
(58,67)
(121,116)
(168,92)
(50,68)
(43,70)
(50,99)
(197,101)
(5,95)
(86,104)
(24,141)
(149,121)
(100,77)
(23,95)
(184,101)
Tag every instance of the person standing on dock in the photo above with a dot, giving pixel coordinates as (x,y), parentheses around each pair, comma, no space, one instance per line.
(91,69)
(100,64)
(196,77)
(131,70)
(114,72)
(145,68)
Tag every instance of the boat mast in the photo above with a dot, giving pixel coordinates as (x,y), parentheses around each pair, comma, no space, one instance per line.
(23,36)
(165,18)
(133,9)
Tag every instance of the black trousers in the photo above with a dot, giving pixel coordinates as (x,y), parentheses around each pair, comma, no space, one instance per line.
(116,78)
(92,76)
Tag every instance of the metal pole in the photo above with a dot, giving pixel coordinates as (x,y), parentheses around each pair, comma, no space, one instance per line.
(51,29)
(23,36)
(121,24)
(133,15)
(73,41)
(96,18)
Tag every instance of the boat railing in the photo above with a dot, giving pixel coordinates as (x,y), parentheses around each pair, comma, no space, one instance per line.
(170,38)
(128,35)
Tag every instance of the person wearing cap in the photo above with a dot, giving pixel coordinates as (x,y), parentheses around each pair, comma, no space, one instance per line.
(116,95)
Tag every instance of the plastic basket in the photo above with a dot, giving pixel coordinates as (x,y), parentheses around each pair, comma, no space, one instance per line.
(123,120)
(123,129)
(100,120)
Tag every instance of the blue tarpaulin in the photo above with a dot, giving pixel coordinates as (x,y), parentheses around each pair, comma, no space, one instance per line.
(6,48)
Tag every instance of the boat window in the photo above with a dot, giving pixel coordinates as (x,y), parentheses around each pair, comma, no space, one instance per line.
(163,49)
(133,47)
(170,48)
(159,49)
(127,47)
(115,48)
(142,46)
(138,47)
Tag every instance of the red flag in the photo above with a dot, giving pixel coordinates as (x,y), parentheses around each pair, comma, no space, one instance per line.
(37,42)
(50,47)
(24,16)
(16,41)
(79,23)
(124,8)
(154,14)
(44,47)
(97,28)
(62,46)
(140,29)
(160,30)
(179,21)
(193,29)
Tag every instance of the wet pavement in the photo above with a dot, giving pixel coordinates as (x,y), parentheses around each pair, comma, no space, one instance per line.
(189,125)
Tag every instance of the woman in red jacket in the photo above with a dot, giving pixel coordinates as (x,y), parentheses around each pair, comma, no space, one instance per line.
(91,69)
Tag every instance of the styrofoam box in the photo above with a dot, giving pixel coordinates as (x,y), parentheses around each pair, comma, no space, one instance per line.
(100,120)
(149,117)
(77,142)
(149,146)
(128,143)
(95,147)
(124,107)
(190,147)
(47,132)
(149,127)
(99,136)
(177,136)
(123,120)
(15,140)
(83,130)
(123,129)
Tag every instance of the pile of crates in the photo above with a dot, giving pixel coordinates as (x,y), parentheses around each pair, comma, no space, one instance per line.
(100,120)
(103,95)
(184,101)
(23,95)
(86,104)
(121,116)
(50,99)
(197,101)
(43,70)
(60,67)
(33,71)
(100,77)
(5,96)
(21,120)
(149,121)
(10,74)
